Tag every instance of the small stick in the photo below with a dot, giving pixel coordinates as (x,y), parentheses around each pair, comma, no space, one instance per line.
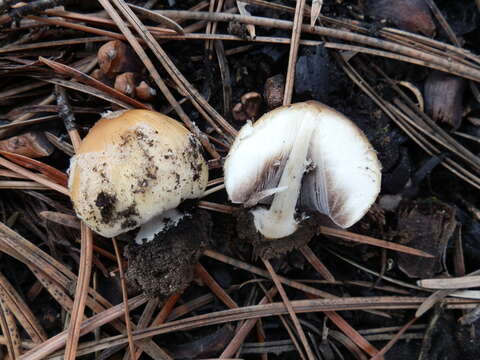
(66,114)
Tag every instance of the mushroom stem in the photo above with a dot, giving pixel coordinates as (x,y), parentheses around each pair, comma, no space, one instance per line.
(279,221)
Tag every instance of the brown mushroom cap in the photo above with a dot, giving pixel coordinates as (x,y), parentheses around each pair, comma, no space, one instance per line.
(132,166)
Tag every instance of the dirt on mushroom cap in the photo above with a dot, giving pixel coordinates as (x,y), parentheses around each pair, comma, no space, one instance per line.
(132,166)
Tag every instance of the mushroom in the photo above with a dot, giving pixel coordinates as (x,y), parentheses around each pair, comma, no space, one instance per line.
(248,108)
(133,166)
(251,101)
(303,154)
(116,57)
(274,91)
(125,83)
(145,92)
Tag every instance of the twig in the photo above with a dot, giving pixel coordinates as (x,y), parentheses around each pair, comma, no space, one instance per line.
(66,114)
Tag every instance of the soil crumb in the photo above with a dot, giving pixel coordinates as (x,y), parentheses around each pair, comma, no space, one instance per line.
(165,266)
(266,248)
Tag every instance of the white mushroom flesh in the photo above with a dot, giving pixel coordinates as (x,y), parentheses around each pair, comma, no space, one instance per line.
(304,154)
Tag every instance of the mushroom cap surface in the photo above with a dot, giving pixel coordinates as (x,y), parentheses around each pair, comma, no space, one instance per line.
(343,174)
(132,166)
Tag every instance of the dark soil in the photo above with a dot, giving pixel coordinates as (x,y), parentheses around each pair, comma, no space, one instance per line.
(267,248)
(165,265)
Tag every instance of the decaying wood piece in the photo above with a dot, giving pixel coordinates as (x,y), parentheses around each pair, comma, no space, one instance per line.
(444,98)
(32,144)
(426,226)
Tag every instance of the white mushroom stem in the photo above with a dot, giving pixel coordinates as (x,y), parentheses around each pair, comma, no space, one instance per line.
(279,221)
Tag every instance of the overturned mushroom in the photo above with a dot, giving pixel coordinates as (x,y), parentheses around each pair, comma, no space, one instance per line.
(304,154)
(133,166)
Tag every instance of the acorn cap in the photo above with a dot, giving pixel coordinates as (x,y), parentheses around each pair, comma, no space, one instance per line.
(132,166)
(304,154)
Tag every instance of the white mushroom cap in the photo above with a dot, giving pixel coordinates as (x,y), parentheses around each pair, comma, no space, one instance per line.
(304,154)
(132,166)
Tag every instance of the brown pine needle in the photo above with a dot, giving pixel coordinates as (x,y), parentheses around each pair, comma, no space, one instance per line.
(255,270)
(292,59)
(58,341)
(47,171)
(316,263)
(159,18)
(88,80)
(347,235)
(81,293)
(290,309)
(203,274)
(352,334)
(162,316)
(32,176)
(131,343)
(394,340)
(208,205)
(13,350)
(197,99)
(230,315)
(149,64)
(428,59)
(15,304)
(242,333)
